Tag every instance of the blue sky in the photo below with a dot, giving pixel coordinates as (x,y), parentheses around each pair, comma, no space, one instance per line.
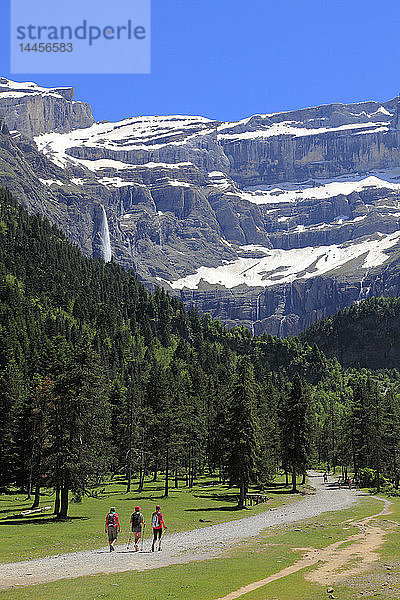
(228,59)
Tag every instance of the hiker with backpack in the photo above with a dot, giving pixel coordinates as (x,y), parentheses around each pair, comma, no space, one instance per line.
(157,522)
(112,527)
(137,523)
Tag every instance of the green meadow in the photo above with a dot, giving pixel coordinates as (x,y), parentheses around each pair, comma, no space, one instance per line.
(42,534)
(249,562)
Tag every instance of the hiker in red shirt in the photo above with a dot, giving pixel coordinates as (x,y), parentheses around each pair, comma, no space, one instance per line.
(138,524)
(112,527)
(157,522)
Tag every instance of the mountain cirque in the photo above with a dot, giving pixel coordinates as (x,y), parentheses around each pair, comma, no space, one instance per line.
(270,222)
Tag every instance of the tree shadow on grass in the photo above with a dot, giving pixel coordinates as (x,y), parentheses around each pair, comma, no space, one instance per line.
(278,492)
(216,509)
(101,495)
(137,498)
(17,520)
(11,494)
(218,497)
(14,508)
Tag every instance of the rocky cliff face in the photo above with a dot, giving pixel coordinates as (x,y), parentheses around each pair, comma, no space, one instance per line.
(287,309)
(271,222)
(323,142)
(34,110)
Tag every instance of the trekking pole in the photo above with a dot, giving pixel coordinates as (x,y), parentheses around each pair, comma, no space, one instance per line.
(130,538)
(142,536)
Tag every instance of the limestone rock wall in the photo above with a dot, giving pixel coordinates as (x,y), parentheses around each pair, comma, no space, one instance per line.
(33,111)
(264,161)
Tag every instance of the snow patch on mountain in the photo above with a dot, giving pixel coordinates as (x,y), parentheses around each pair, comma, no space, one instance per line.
(50,182)
(321,188)
(137,133)
(284,266)
(296,129)
(17,89)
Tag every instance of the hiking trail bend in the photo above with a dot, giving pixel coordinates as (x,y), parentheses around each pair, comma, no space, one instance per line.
(178,548)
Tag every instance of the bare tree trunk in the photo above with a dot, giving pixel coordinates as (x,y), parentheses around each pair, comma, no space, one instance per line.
(294,480)
(142,472)
(128,478)
(166,489)
(155,467)
(64,502)
(37,495)
(57,501)
(129,453)
(243,488)
(29,490)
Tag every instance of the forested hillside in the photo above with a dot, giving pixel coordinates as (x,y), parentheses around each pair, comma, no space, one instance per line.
(363,335)
(99,376)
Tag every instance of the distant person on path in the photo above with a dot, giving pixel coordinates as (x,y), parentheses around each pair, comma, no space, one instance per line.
(137,523)
(112,527)
(325,477)
(157,522)
(339,482)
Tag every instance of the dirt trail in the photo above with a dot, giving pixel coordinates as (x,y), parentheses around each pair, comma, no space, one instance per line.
(178,548)
(363,551)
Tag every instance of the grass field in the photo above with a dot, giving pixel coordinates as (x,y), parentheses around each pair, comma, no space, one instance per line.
(250,562)
(40,535)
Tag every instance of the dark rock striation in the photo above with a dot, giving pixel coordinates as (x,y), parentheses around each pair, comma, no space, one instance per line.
(271,222)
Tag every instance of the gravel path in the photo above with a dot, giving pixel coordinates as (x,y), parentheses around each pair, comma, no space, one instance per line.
(178,548)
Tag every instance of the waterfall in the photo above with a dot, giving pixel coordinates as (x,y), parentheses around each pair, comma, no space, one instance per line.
(104,234)
(284,297)
(284,308)
(291,296)
(364,291)
(258,307)
(281,326)
(257,313)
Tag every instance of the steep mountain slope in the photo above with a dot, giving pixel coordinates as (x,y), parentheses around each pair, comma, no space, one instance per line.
(49,291)
(272,222)
(365,335)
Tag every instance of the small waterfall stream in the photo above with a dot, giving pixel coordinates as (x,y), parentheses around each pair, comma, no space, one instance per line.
(258,307)
(257,313)
(104,234)
(364,291)
(284,308)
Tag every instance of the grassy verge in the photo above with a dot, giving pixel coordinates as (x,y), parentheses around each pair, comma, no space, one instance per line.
(248,563)
(40,535)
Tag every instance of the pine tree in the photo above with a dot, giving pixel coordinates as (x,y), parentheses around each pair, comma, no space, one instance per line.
(243,429)
(13,393)
(296,429)
(79,425)
(267,408)
(391,436)
(40,403)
